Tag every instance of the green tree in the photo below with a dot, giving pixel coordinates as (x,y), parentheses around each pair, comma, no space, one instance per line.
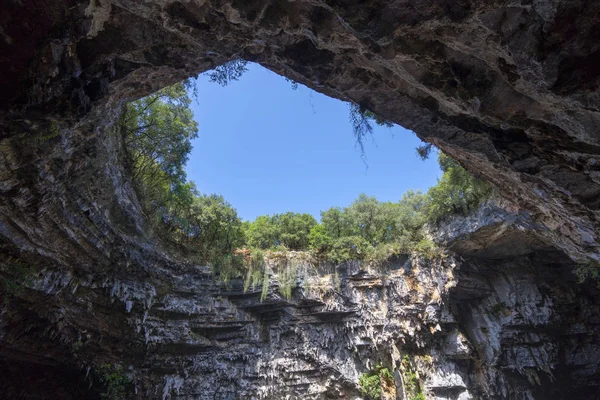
(157,131)
(214,226)
(262,233)
(290,229)
(336,223)
(410,216)
(349,248)
(319,240)
(365,214)
(294,229)
(457,191)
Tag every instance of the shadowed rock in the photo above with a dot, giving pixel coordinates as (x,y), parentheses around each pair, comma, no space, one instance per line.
(508,89)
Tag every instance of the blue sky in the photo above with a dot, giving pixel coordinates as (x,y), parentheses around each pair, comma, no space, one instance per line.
(270,149)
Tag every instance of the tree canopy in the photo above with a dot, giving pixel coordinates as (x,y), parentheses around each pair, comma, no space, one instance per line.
(157,131)
(290,230)
(368,227)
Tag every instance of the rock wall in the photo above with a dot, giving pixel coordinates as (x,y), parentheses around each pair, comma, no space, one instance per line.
(501,316)
(510,89)
(507,88)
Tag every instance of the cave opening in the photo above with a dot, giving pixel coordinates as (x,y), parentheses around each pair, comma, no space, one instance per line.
(271,145)
(507,90)
(275,149)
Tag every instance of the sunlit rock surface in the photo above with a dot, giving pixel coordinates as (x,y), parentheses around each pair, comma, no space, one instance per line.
(510,89)
(492,320)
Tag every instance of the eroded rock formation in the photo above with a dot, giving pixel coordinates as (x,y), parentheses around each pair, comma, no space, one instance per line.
(507,88)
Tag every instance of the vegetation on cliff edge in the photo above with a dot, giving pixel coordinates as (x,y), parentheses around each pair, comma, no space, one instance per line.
(157,131)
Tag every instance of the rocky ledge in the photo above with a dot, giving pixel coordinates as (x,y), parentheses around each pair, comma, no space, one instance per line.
(499,316)
(509,89)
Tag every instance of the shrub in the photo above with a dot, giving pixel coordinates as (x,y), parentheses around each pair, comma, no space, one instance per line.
(294,229)
(320,241)
(370,385)
(426,248)
(371,382)
(224,74)
(290,229)
(349,248)
(457,191)
(116,385)
(380,255)
(412,386)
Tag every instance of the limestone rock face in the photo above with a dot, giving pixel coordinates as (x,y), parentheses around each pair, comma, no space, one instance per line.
(507,88)
(510,89)
(484,321)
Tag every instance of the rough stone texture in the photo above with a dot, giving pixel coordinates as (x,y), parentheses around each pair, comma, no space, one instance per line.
(493,323)
(507,88)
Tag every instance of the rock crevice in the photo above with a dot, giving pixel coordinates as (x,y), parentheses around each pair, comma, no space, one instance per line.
(509,89)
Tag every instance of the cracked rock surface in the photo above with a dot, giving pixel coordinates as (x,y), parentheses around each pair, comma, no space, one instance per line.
(509,89)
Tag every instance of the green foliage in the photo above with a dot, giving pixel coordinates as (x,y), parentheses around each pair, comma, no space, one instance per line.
(457,191)
(424,151)
(361,120)
(349,248)
(320,242)
(44,135)
(211,226)
(589,270)
(371,383)
(294,229)
(228,72)
(426,248)
(412,385)
(291,230)
(157,131)
(227,266)
(260,233)
(367,217)
(336,223)
(117,386)
(380,256)
(498,309)
(366,230)
(77,346)
(409,216)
